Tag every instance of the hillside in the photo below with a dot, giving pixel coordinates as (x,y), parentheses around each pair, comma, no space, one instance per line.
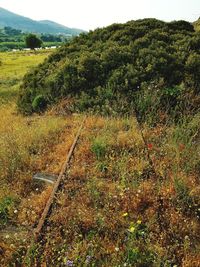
(9,19)
(122,65)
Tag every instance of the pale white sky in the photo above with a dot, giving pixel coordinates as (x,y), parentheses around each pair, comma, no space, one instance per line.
(90,14)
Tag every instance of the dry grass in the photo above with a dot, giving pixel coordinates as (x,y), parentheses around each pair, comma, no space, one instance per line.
(25,142)
(112,212)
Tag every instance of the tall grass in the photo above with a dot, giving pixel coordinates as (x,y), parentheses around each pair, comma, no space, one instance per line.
(23,138)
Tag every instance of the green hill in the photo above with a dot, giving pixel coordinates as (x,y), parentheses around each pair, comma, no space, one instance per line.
(146,65)
(9,19)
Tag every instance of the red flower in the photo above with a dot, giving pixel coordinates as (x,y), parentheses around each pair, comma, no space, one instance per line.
(150,146)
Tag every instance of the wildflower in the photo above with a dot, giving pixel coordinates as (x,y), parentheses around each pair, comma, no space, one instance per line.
(150,146)
(139,222)
(131,229)
(117,249)
(88,259)
(125,214)
(69,263)
(15,211)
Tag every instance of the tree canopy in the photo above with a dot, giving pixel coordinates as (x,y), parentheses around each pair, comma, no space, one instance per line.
(32,41)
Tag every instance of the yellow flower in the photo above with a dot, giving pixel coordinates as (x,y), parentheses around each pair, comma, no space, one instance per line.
(125,214)
(139,222)
(131,229)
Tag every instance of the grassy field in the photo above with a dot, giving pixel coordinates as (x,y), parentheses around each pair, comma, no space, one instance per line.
(115,211)
(23,142)
(126,203)
(13,67)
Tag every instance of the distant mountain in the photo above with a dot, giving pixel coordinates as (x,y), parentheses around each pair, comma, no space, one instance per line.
(10,19)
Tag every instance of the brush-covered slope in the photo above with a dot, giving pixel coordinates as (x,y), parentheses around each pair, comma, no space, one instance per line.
(97,70)
(10,19)
(197,25)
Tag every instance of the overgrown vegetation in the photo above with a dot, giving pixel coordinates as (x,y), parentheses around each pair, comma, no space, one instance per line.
(113,211)
(126,202)
(15,39)
(23,144)
(150,65)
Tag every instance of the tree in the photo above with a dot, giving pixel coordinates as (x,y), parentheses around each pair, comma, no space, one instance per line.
(12,32)
(32,41)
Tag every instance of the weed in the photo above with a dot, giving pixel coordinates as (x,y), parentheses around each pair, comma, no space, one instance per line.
(5,204)
(137,247)
(99,148)
(32,255)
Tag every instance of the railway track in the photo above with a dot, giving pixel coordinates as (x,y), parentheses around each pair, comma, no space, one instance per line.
(38,231)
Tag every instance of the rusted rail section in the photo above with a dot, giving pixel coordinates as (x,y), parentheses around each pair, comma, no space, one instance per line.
(49,203)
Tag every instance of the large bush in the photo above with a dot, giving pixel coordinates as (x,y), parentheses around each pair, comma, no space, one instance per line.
(124,58)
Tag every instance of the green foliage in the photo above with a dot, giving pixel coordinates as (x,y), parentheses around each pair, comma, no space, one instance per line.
(181,25)
(32,41)
(196,25)
(185,200)
(138,252)
(5,46)
(39,103)
(5,204)
(193,71)
(11,38)
(11,31)
(140,65)
(182,192)
(99,148)
(32,254)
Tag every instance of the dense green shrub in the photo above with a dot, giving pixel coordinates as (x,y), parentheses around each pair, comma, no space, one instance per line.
(143,63)
(39,103)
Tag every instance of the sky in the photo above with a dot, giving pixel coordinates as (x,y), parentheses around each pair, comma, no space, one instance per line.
(91,14)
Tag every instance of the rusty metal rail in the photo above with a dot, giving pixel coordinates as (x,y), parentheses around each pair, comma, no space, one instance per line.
(46,212)
(49,203)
